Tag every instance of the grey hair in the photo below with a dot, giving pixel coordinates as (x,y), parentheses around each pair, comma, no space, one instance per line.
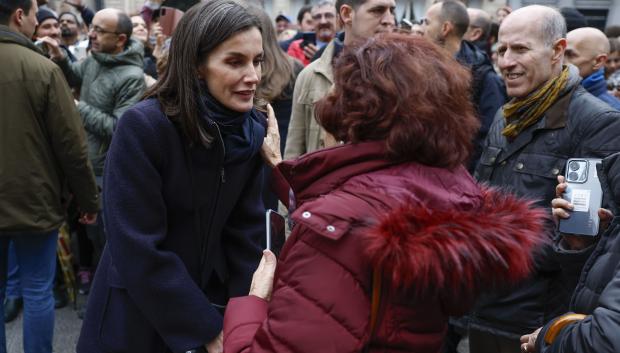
(553,26)
(322,3)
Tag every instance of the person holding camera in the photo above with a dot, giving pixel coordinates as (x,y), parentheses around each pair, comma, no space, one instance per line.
(325,25)
(592,322)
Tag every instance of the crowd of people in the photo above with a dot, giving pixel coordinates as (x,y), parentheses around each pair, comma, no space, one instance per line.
(420,165)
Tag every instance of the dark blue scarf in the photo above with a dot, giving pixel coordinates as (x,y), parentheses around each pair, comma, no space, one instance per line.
(242,133)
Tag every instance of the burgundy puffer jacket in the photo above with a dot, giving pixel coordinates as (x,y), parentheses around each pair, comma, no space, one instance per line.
(437,238)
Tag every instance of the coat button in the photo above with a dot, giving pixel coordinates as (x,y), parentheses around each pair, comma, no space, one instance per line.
(306,215)
(555,171)
(331,228)
(519,166)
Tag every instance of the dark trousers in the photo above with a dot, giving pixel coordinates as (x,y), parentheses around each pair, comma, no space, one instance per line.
(484,342)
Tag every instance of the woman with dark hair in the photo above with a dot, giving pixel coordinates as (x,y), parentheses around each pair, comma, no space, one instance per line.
(182,193)
(276,87)
(391,234)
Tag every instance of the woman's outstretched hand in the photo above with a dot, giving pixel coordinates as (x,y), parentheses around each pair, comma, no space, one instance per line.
(271,146)
(262,281)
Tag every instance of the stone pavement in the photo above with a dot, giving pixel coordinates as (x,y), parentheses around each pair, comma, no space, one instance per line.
(66,330)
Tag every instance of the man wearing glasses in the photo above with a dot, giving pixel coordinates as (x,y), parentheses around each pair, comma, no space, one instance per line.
(324,19)
(110,80)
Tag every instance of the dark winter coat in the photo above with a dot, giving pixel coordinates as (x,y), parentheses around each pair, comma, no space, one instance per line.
(42,142)
(598,292)
(488,92)
(433,233)
(110,84)
(182,238)
(577,125)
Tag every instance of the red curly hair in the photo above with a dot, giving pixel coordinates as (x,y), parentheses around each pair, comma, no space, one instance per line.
(407,91)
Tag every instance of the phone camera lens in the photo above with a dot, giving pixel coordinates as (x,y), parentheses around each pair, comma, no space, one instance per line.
(573,176)
(573,166)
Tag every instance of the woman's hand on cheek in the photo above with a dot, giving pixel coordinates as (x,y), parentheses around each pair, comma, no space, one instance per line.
(271,145)
(262,281)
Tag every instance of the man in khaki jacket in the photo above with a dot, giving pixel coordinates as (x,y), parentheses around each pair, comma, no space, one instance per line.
(43,154)
(359,19)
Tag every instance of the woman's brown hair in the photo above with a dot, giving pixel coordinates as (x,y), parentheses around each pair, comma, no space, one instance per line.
(406,91)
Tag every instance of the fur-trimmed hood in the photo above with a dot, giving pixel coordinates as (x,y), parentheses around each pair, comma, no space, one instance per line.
(458,251)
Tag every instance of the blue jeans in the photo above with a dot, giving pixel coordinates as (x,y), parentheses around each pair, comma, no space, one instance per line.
(13,288)
(36,258)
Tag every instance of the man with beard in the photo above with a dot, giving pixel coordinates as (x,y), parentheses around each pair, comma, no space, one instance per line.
(360,19)
(446,23)
(49,27)
(324,18)
(111,79)
(70,35)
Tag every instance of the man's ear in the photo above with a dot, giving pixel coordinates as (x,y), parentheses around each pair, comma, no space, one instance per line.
(476,34)
(346,14)
(122,40)
(18,17)
(599,61)
(446,29)
(559,47)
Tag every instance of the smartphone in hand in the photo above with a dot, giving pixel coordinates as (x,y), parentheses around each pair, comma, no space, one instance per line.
(275,232)
(585,193)
(169,18)
(308,38)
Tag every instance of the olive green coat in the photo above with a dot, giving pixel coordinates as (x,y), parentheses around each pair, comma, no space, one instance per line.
(43,149)
(109,85)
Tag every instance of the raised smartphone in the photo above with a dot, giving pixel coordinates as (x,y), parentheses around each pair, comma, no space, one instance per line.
(275,232)
(169,18)
(584,192)
(308,38)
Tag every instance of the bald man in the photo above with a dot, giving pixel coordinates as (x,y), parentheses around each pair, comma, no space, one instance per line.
(588,48)
(527,147)
(479,28)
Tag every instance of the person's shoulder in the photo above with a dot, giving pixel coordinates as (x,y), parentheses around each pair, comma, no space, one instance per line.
(585,106)
(145,115)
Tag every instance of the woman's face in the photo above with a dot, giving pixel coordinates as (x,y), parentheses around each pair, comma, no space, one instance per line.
(139,29)
(233,69)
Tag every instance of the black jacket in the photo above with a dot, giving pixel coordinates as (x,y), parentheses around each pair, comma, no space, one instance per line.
(577,125)
(598,291)
(488,92)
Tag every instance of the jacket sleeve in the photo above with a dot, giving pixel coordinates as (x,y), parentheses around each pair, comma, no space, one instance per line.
(156,279)
(101,123)
(305,313)
(598,332)
(69,143)
(73,70)
(296,138)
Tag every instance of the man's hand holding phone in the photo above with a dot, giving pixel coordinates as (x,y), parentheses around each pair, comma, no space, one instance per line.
(561,209)
(310,50)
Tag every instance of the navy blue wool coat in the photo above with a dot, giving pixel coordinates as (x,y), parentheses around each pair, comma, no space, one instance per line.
(184,235)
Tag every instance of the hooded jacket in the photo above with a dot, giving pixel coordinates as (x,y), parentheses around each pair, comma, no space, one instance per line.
(577,125)
(110,84)
(42,143)
(598,292)
(435,236)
